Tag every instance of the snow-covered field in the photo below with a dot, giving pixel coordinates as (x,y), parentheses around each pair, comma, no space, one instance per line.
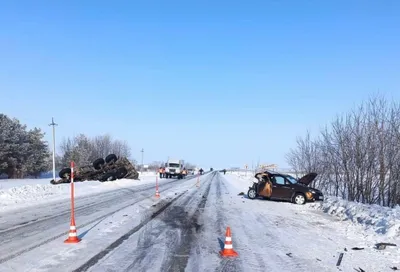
(18,193)
(125,228)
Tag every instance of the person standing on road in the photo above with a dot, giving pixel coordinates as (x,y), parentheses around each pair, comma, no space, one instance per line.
(160,170)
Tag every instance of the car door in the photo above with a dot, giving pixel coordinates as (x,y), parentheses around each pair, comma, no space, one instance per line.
(281,189)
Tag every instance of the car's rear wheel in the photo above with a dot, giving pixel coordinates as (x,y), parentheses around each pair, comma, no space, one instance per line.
(252,194)
(299,199)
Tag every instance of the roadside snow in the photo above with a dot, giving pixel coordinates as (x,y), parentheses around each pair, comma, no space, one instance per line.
(383,221)
(15,194)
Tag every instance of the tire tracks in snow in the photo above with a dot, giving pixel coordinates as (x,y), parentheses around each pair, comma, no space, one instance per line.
(107,197)
(274,246)
(30,228)
(255,261)
(179,236)
(181,255)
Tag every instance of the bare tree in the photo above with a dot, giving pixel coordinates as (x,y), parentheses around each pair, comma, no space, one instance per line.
(357,156)
(84,150)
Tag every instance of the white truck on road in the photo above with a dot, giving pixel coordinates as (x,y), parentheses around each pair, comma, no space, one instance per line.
(173,168)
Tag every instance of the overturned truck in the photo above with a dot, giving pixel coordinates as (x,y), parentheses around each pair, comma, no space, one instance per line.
(108,169)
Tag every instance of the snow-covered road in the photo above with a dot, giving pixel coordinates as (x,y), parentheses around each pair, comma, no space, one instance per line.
(130,230)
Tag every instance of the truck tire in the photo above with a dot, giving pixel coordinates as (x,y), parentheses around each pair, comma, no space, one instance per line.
(111,158)
(97,164)
(110,176)
(66,172)
(121,172)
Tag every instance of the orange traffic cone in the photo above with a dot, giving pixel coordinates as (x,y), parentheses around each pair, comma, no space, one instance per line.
(72,235)
(228,248)
(157,192)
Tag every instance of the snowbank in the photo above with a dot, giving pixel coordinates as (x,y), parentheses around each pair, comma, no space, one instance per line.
(20,193)
(382,220)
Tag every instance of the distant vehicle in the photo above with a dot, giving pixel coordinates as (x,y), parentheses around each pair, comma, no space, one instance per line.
(272,185)
(174,168)
(190,171)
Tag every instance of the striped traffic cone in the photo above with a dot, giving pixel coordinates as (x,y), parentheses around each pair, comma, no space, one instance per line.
(72,235)
(228,248)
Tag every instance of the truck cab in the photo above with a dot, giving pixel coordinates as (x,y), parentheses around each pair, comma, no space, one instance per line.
(174,168)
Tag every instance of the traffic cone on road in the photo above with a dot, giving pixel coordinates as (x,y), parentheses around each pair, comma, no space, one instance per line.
(157,192)
(72,235)
(228,248)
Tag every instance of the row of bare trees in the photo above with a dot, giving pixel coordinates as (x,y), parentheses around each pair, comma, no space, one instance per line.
(83,150)
(357,156)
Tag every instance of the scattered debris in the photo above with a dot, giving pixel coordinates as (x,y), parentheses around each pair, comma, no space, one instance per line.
(125,215)
(340,259)
(382,246)
(359,269)
(289,254)
(357,248)
(241,193)
(345,249)
(394,268)
(318,260)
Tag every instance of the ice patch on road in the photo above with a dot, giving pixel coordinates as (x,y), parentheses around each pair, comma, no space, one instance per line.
(382,220)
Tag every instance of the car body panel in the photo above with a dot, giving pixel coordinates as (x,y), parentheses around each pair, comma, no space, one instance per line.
(307,179)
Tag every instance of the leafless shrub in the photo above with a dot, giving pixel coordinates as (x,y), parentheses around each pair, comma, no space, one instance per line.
(357,156)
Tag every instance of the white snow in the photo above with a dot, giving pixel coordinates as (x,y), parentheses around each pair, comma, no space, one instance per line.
(382,220)
(375,218)
(268,235)
(18,193)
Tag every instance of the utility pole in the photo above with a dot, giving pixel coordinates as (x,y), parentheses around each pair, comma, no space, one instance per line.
(142,158)
(54,147)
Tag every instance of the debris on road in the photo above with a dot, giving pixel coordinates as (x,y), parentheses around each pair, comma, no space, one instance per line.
(382,246)
(340,259)
(357,248)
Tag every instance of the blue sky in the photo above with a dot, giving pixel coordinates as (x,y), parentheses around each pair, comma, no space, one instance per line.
(219,84)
